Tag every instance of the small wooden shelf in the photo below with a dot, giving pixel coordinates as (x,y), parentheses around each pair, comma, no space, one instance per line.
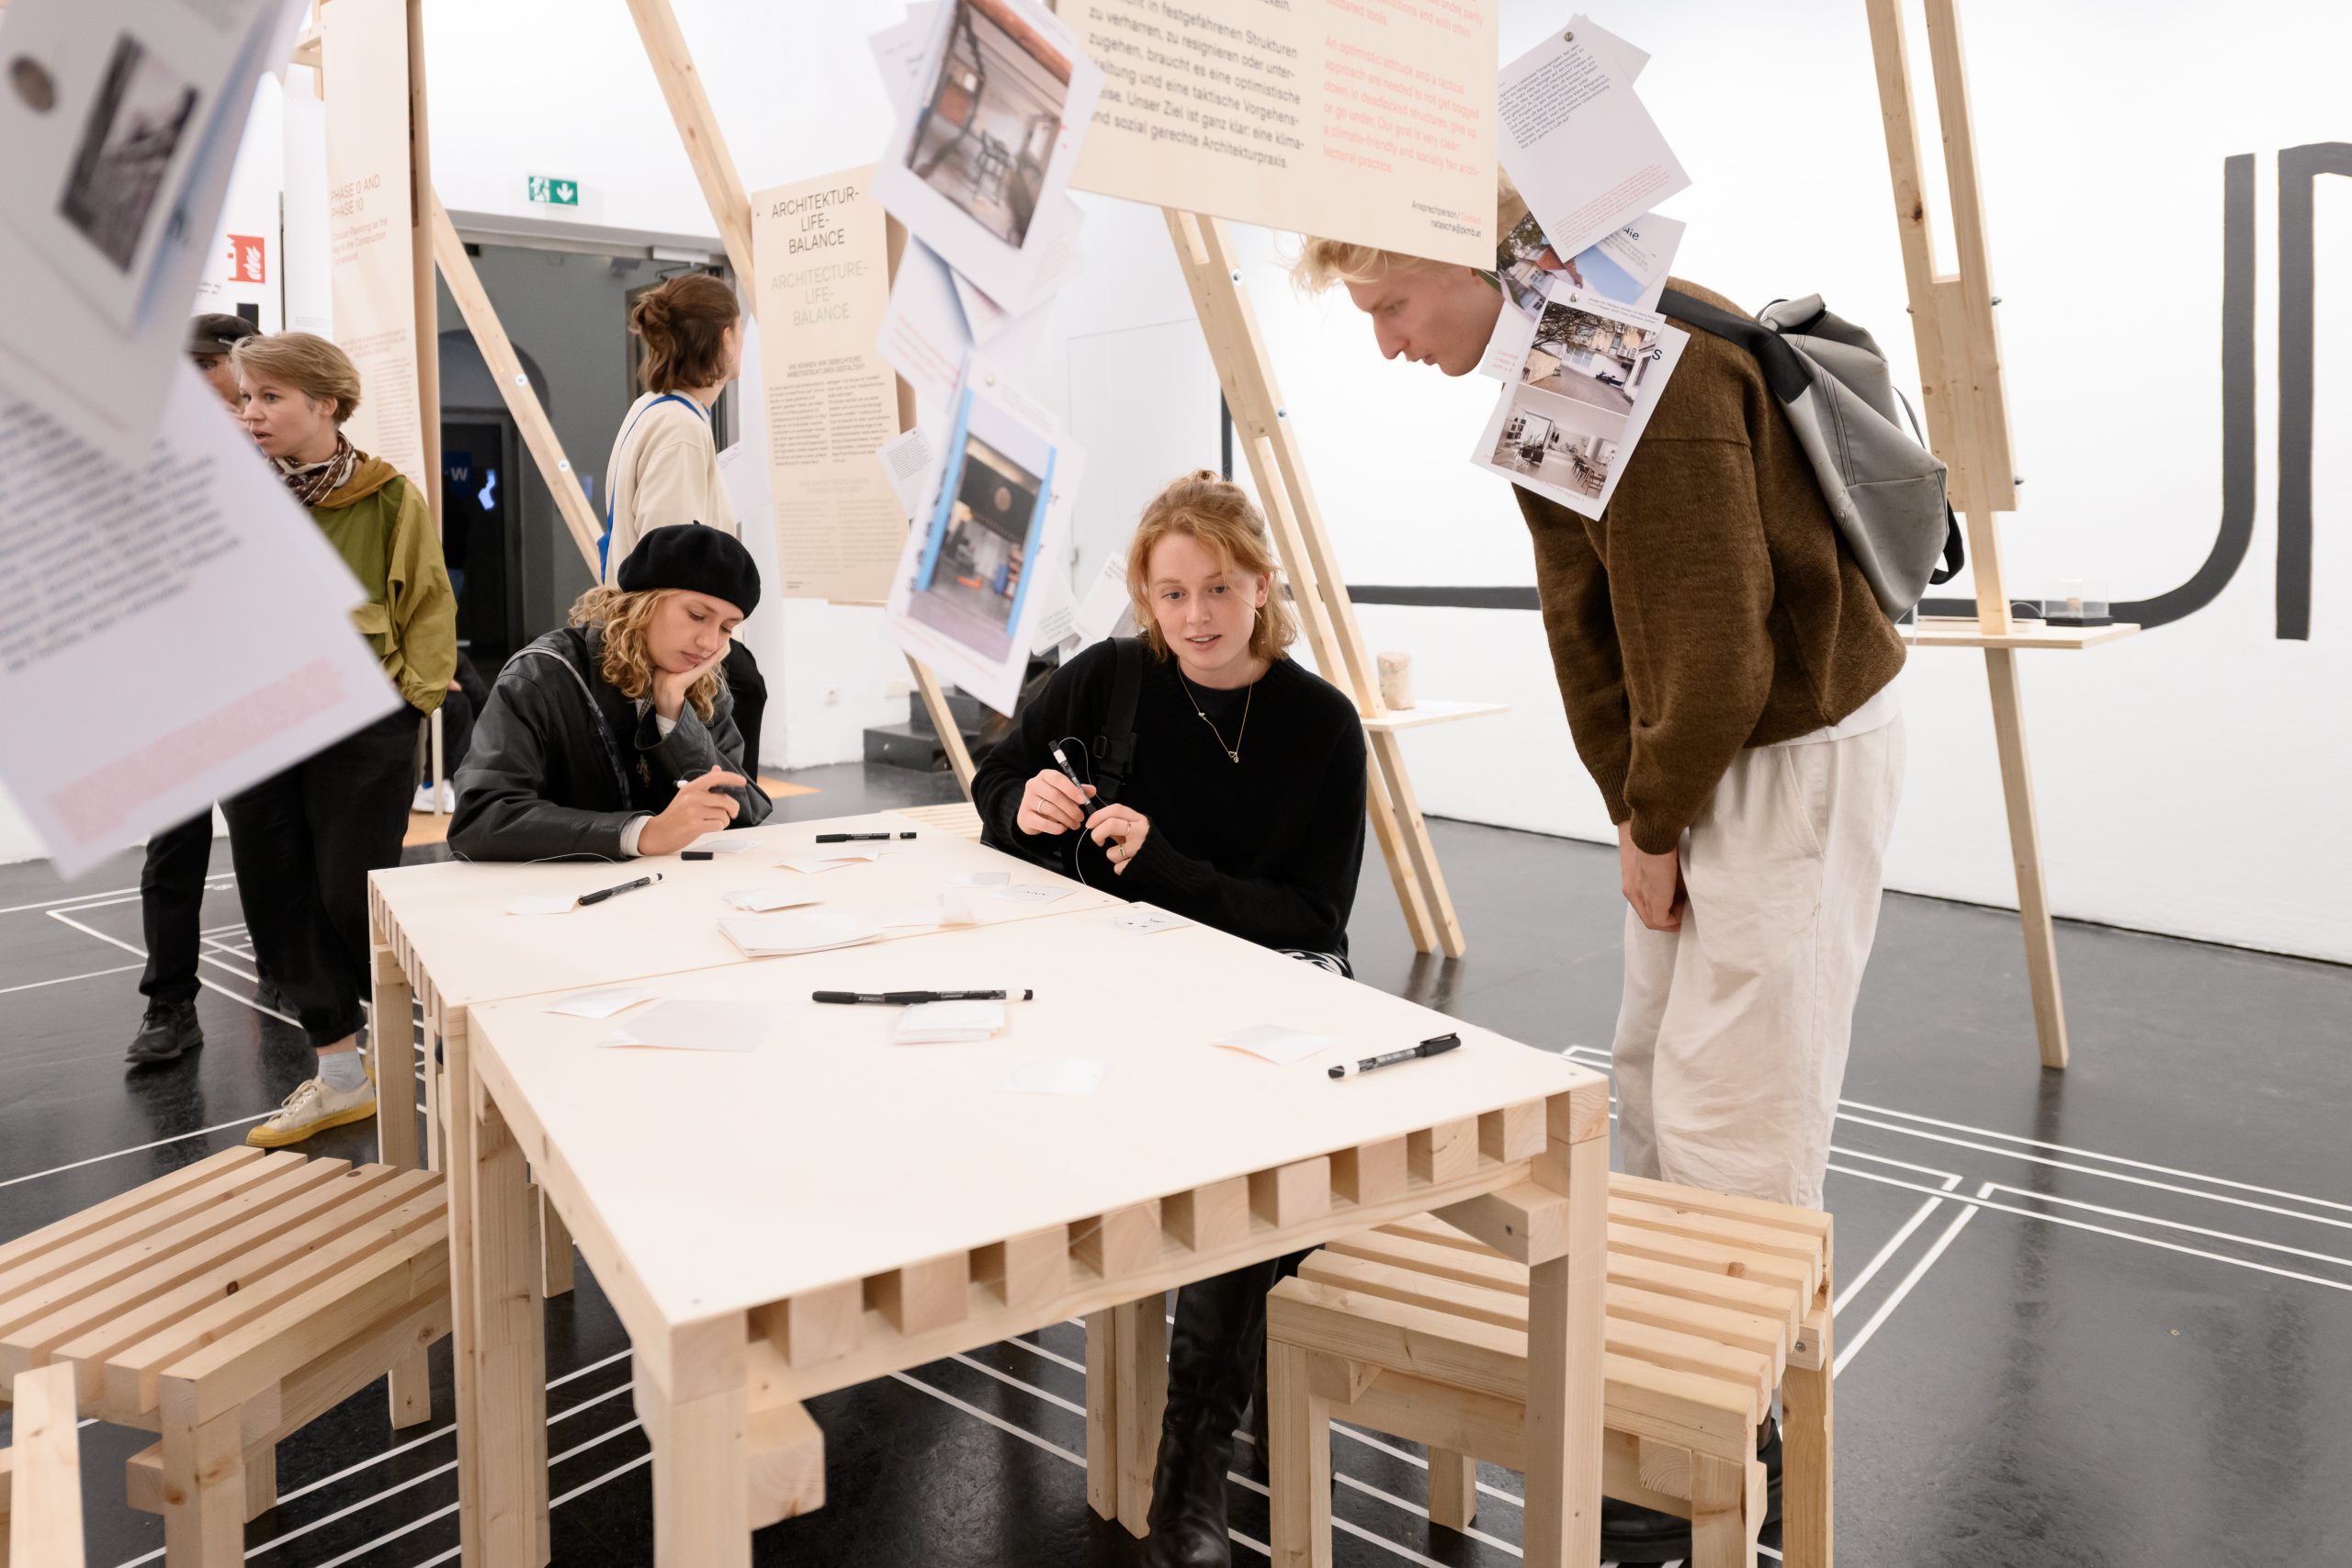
(1430,711)
(1955,631)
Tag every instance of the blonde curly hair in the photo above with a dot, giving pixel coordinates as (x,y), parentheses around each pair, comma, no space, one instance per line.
(1213,509)
(627,662)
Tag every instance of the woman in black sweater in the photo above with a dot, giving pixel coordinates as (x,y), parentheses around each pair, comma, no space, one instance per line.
(1240,805)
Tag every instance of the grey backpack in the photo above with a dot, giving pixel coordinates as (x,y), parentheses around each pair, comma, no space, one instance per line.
(1884,486)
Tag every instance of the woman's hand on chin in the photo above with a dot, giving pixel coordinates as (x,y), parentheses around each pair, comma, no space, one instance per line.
(670,691)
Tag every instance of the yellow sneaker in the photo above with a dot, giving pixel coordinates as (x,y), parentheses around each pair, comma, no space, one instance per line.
(313,1108)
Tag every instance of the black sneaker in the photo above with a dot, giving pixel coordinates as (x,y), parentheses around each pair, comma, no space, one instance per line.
(168,1032)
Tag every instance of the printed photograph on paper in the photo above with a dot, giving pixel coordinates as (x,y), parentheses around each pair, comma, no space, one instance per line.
(973,573)
(986,130)
(1560,443)
(1590,358)
(142,111)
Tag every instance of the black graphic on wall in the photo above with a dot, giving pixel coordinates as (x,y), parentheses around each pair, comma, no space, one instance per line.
(2298,170)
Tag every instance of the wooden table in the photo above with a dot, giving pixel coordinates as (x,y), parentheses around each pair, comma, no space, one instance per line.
(775,1225)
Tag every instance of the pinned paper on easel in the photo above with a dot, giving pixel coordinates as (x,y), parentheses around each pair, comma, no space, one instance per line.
(1577,142)
(1584,377)
(980,161)
(1629,266)
(966,599)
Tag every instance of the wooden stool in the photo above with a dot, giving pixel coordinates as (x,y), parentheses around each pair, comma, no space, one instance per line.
(40,1477)
(225,1306)
(1417,1330)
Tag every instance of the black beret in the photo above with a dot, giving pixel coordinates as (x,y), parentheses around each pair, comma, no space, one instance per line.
(698,560)
(218,332)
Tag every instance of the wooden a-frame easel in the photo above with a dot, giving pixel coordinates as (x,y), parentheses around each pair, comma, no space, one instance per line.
(1968,426)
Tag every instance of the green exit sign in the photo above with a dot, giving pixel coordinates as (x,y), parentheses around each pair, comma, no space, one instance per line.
(553,191)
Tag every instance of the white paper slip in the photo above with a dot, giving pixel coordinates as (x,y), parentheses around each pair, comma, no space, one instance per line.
(1143,920)
(1056,1074)
(981,879)
(700,1026)
(600,1004)
(1576,140)
(811,865)
(541,904)
(1033,892)
(935,1023)
(1274,1043)
(802,931)
(848,854)
(761,901)
(723,844)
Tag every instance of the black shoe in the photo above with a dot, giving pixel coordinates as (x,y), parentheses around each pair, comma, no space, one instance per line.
(1630,1533)
(168,1032)
(1214,1354)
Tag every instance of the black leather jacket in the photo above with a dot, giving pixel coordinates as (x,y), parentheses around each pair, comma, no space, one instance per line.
(562,761)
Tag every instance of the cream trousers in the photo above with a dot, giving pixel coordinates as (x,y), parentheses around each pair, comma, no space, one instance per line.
(1731,1040)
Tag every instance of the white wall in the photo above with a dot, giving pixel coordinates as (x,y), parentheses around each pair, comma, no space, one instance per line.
(2191,780)
(2188,781)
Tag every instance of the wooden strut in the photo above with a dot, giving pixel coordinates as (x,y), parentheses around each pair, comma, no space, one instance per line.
(1205,250)
(1968,426)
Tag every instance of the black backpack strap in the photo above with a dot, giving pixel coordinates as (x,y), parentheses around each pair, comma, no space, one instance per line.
(1115,749)
(1783,371)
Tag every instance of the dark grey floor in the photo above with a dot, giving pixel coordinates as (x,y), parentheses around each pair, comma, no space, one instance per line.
(2102,1318)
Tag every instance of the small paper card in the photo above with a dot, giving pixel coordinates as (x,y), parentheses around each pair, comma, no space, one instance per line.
(810,865)
(699,1026)
(956,907)
(1274,1043)
(802,931)
(724,843)
(933,1023)
(1144,919)
(846,854)
(981,879)
(1031,893)
(760,900)
(542,904)
(1056,1074)
(600,1004)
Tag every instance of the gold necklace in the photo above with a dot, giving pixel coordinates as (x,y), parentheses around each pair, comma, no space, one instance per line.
(1234,751)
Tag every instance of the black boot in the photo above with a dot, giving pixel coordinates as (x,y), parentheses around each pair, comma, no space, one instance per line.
(1213,1358)
(168,1031)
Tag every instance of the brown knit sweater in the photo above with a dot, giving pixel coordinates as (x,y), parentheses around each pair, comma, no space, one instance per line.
(1712,608)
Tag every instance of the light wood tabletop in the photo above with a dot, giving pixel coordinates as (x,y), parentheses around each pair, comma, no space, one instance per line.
(827,1207)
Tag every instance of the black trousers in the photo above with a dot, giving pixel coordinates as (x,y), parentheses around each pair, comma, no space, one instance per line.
(460,709)
(304,841)
(170,902)
(750,690)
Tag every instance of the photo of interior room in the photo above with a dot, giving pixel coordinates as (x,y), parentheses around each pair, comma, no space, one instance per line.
(988,129)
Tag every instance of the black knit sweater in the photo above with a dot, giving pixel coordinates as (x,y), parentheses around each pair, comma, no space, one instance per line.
(1267,849)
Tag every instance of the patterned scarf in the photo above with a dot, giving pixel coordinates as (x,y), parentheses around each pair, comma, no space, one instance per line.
(313,482)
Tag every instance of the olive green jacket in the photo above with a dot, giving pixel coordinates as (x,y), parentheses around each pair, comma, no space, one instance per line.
(383,530)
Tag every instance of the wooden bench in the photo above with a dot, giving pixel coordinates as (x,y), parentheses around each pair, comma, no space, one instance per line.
(1417,1330)
(224,1306)
(40,1477)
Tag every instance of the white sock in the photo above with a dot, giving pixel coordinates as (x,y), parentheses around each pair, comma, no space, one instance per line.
(344,1070)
